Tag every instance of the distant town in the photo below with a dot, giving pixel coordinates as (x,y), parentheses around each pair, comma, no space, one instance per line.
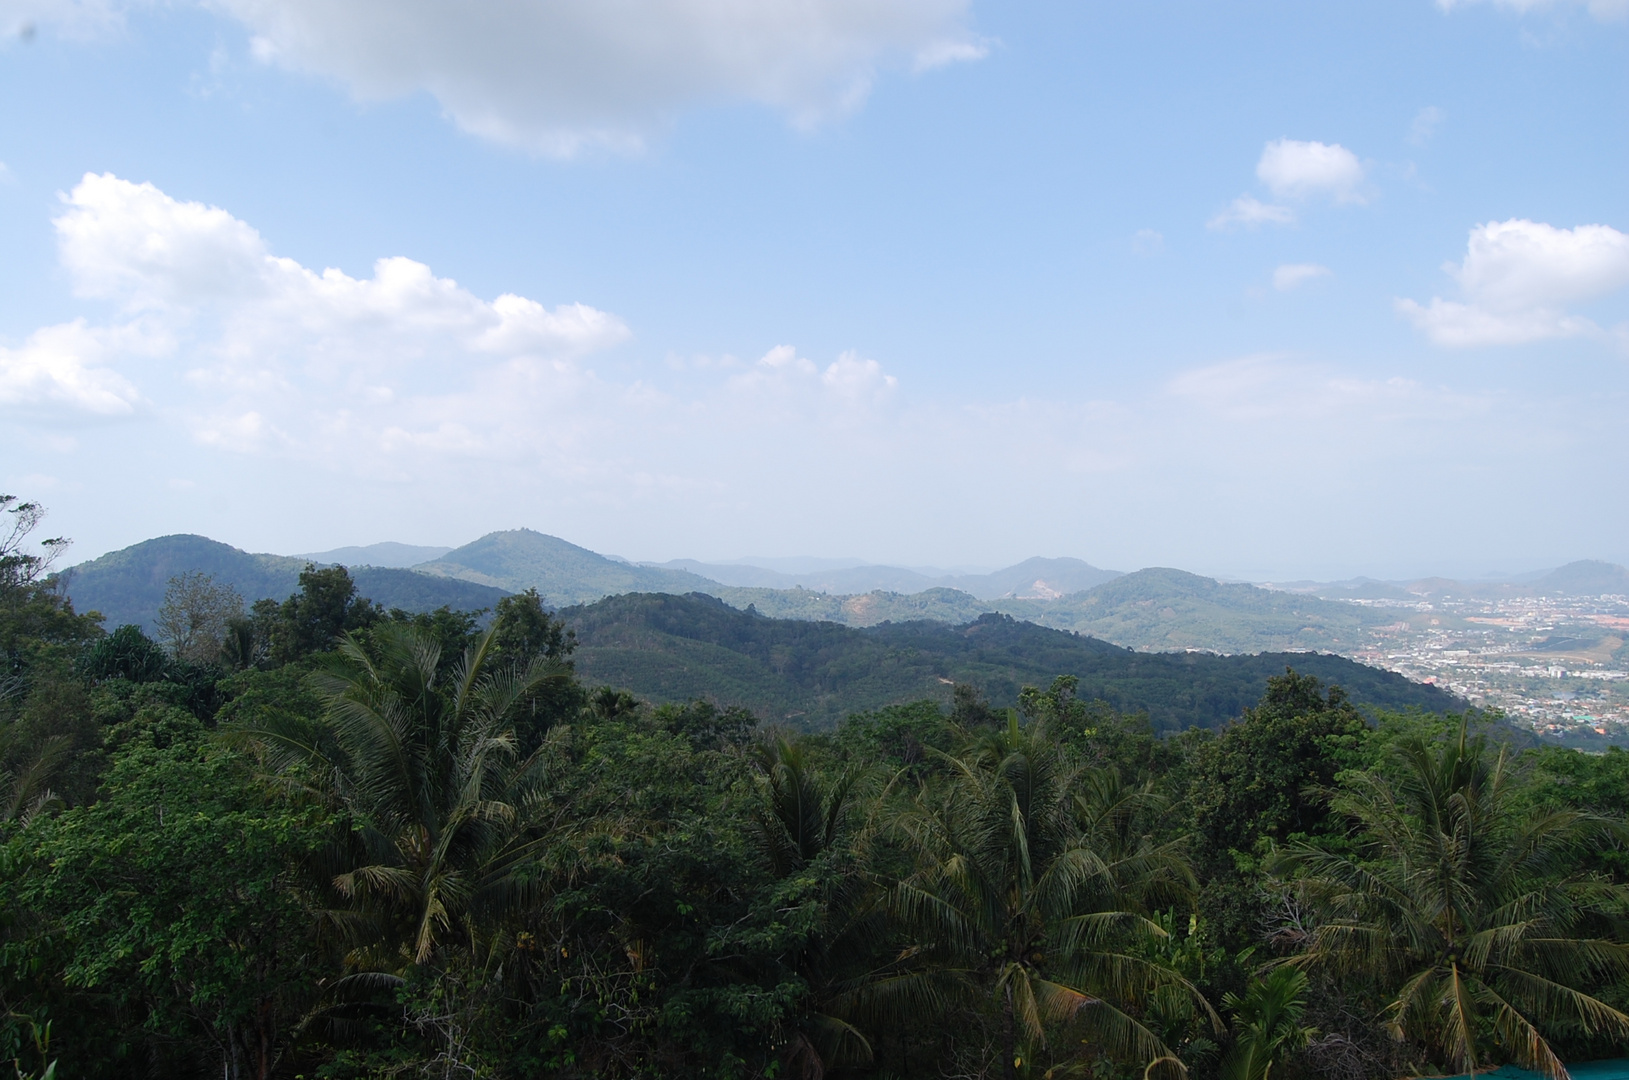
(1557,663)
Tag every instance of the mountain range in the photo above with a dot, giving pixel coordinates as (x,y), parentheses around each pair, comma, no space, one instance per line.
(1037,578)
(1586,577)
(127,586)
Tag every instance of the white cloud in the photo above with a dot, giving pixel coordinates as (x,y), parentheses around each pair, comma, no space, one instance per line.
(1293,169)
(382,376)
(1249,211)
(1293,275)
(1518,279)
(1605,10)
(1425,125)
(264,353)
(63,370)
(559,76)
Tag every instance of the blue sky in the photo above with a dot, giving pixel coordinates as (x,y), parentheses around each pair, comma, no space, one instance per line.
(1264,290)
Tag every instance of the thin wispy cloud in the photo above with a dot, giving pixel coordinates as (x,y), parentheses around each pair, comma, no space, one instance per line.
(1425,125)
(1249,211)
(1294,275)
(1604,10)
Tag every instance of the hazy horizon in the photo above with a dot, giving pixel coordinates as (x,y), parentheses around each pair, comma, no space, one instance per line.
(1267,293)
(806,564)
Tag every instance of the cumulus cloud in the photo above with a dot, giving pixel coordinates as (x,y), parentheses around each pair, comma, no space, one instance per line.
(1294,275)
(1519,278)
(1249,211)
(63,369)
(559,76)
(1297,170)
(256,352)
(253,353)
(1605,10)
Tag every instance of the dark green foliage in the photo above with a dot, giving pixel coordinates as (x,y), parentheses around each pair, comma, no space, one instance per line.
(705,724)
(173,904)
(127,654)
(525,630)
(1268,776)
(679,648)
(312,619)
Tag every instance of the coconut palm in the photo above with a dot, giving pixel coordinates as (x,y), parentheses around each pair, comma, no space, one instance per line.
(810,824)
(444,811)
(1468,909)
(1030,897)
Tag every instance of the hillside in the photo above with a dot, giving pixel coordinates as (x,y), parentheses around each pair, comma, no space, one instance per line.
(127,586)
(1039,578)
(564,573)
(1156,609)
(1164,609)
(1584,578)
(388,553)
(812,674)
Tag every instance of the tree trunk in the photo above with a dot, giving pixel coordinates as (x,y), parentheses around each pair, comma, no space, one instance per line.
(1009,1038)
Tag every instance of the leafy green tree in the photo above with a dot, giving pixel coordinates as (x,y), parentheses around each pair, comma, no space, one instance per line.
(707,725)
(312,620)
(174,902)
(1020,902)
(525,630)
(1468,910)
(1267,776)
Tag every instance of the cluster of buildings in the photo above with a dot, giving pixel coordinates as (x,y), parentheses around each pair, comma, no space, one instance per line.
(1557,663)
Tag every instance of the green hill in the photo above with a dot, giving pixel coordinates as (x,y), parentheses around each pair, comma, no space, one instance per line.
(812,674)
(563,572)
(127,586)
(1156,609)
(1163,609)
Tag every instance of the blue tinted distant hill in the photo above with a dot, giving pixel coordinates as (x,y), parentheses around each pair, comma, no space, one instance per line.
(562,572)
(127,586)
(389,553)
(1584,578)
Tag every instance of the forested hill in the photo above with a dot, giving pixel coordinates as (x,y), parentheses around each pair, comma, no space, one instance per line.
(812,674)
(127,586)
(519,559)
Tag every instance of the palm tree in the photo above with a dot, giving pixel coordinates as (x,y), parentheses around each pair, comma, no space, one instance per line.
(1267,1022)
(1030,896)
(806,825)
(1467,909)
(443,810)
